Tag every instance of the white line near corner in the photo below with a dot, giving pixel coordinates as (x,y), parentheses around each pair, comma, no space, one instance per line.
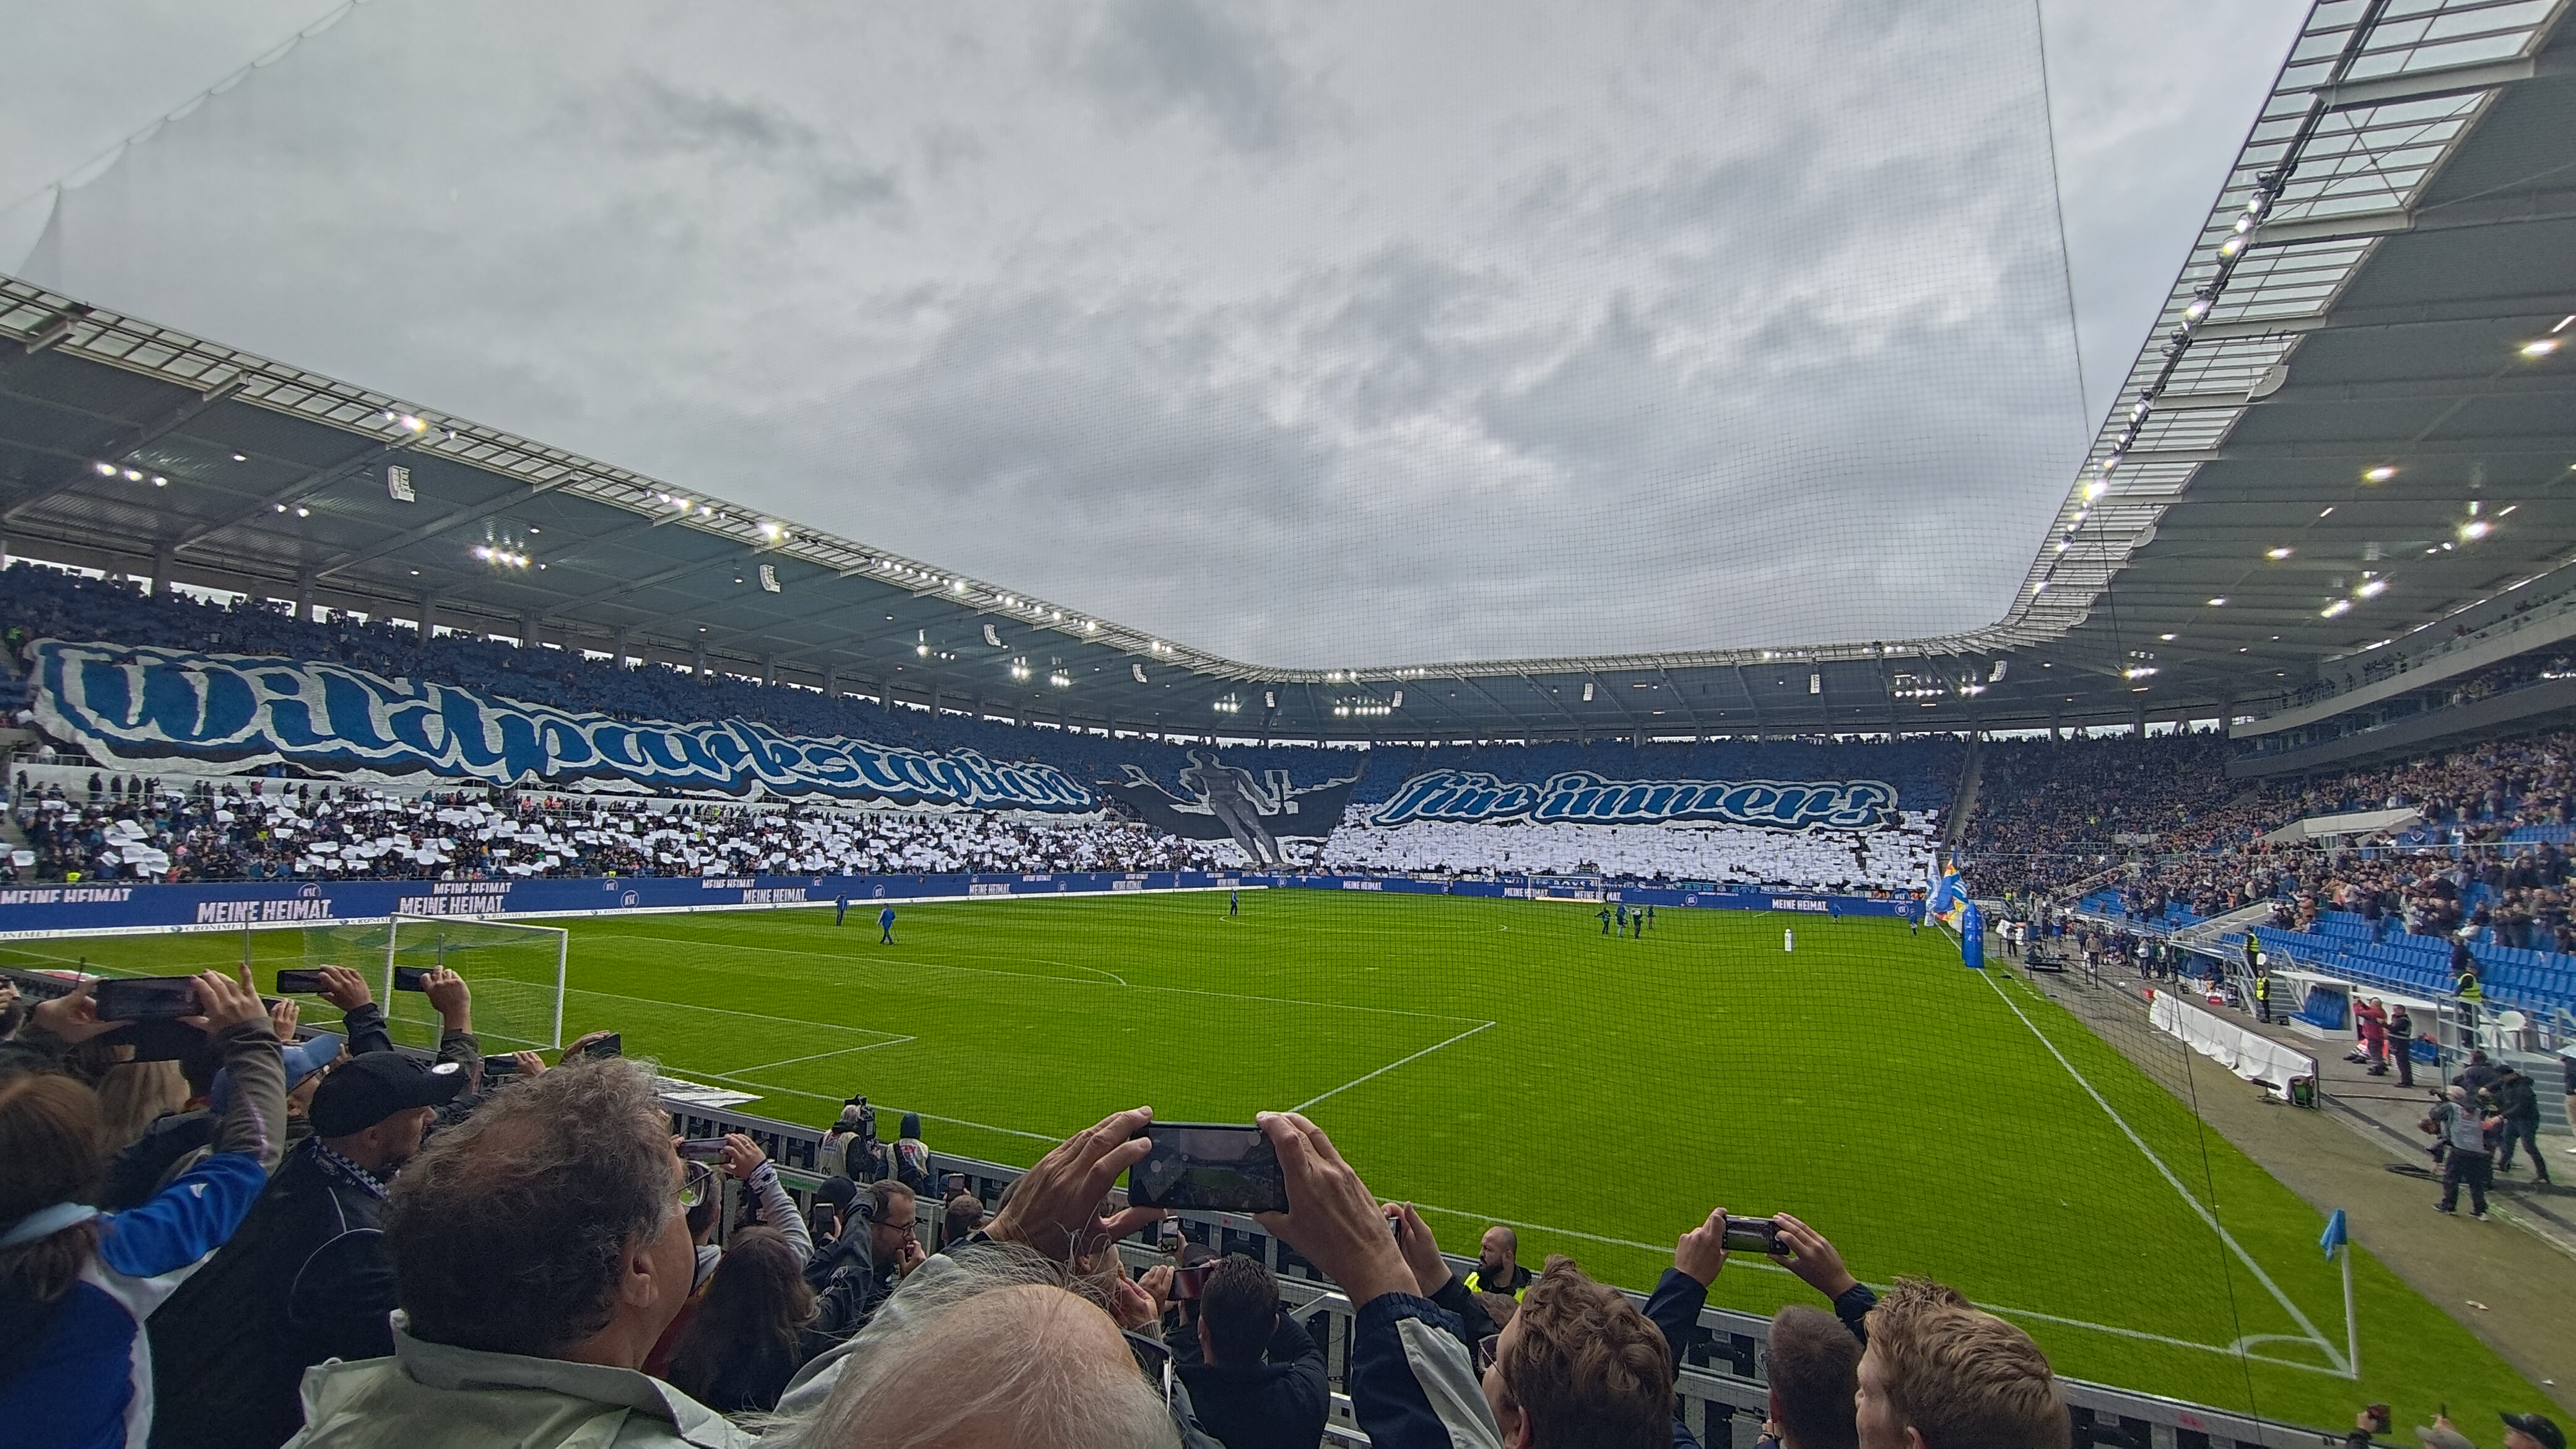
(2333,1352)
(1390,1066)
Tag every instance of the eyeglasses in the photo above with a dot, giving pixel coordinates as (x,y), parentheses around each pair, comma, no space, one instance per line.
(1488,1348)
(695,1184)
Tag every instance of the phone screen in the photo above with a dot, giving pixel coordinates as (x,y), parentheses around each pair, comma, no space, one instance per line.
(1201,1165)
(611,1045)
(1753,1235)
(299,983)
(702,1149)
(146,998)
(411,978)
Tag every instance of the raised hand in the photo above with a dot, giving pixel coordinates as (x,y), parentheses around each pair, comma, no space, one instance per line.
(1331,1216)
(1813,1259)
(1055,1209)
(1420,1249)
(344,988)
(1700,1254)
(223,1003)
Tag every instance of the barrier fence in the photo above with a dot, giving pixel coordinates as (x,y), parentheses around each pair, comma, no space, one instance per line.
(1722,1385)
(137,906)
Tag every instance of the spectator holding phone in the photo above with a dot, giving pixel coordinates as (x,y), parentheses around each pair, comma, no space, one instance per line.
(747,1164)
(1813,1363)
(75,1284)
(1577,1363)
(307,1277)
(1000,1340)
(1256,1377)
(539,1249)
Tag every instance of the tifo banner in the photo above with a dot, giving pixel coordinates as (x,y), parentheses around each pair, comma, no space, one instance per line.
(1226,802)
(1580,797)
(148,708)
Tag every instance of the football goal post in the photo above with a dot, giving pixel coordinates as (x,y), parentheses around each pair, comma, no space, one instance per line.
(514,972)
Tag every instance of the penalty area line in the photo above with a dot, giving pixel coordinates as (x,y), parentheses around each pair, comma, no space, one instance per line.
(1390,1066)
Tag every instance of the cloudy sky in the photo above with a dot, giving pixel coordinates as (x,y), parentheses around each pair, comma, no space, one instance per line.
(1318,333)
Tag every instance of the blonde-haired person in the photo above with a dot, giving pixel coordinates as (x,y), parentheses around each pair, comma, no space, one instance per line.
(1940,1374)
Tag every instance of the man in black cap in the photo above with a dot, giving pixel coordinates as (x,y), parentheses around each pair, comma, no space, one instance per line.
(2530,1431)
(307,1276)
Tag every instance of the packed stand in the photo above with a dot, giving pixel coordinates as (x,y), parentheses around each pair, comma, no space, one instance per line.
(265,829)
(1853,861)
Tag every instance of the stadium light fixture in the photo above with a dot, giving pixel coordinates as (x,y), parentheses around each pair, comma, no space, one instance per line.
(2276,554)
(2326,512)
(2218,603)
(2380,474)
(160,482)
(2539,347)
(303,512)
(133,475)
(2475,529)
(2168,638)
(2373,588)
(2339,606)
(105,470)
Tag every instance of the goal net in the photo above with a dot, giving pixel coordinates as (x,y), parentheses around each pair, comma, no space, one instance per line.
(516,975)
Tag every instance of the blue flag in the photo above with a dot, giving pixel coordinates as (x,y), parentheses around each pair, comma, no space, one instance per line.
(2334,1236)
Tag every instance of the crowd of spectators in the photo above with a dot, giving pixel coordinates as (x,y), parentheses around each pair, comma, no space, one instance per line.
(2453,868)
(262,829)
(365,1248)
(1855,860)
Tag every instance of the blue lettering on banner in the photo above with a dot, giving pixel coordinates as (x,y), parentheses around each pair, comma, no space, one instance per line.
(142,708)
(1583,798)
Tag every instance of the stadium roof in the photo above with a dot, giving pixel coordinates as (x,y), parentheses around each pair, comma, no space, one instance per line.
(2342,380)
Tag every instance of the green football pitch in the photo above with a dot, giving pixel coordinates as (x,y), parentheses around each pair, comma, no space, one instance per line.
(1503,1061)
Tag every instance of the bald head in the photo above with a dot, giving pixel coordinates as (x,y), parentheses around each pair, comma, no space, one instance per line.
(995,1362)
(1499,1251)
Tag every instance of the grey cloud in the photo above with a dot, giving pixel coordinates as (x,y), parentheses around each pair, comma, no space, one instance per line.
(653,117)
(1155,57)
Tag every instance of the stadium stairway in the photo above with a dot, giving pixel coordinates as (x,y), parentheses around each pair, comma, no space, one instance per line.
(1963,800)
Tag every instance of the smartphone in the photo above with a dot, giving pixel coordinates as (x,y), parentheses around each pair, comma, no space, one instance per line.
(611,1045)
(503,1065)
(1190,1282)
(1209,1166)
(299,983)
(703,1149)
(146,998)
(1753,1235)
(411,978)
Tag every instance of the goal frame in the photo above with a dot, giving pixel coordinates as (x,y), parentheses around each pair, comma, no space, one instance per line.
(395,923)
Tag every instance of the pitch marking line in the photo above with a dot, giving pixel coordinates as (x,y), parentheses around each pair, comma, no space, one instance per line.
(818,1056)
(2333,1353)
(1390,1066)
(864,959)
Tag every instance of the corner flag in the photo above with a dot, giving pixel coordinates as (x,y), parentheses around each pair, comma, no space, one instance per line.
(2334,1235)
